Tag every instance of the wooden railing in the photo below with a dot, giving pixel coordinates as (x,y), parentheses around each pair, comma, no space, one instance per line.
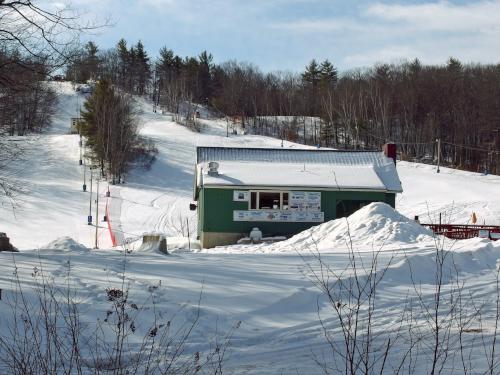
(465,231)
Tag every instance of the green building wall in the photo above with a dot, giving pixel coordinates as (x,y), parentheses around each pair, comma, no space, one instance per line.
(216,206)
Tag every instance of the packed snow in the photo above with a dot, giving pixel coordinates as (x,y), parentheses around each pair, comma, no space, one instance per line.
(267,292)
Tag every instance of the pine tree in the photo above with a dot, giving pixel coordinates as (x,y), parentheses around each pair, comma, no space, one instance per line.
(124,78)
(142,68)
(328,75)
(311,78)
(454,65)
(110,130)
(205,76)
(165,65)
(312,73)
(92,61)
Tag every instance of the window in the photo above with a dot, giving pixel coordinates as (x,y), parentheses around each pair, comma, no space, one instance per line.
(348,207)
(268,200)
(284,206)
(253,200)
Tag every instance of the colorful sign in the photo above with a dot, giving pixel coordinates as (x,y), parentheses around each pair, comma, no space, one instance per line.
(279,216)
(305,201)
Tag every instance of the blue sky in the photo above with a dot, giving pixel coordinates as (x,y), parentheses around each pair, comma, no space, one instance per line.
(287,34)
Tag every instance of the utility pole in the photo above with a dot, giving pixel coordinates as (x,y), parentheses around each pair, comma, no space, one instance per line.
(438,153)
(357,135)
(84,178)
(80,162)
(89,218)
(97,214)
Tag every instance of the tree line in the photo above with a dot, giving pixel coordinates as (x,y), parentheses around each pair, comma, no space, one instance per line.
(408,103)
(30,49)
(27,102)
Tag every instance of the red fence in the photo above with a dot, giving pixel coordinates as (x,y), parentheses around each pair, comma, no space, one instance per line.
(464,231)
(108,220)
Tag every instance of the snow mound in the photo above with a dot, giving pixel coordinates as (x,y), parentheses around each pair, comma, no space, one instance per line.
(66,244)
(375,224)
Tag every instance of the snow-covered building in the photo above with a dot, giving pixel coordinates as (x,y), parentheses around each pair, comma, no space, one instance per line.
(284,191)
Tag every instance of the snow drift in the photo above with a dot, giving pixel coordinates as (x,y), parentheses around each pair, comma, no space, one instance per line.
(474,256)
(66,244)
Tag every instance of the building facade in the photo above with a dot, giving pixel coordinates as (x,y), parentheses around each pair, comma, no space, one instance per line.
(285,191)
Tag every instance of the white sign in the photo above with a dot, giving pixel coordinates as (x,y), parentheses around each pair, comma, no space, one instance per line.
(279,216)
(305,201)
(240,196)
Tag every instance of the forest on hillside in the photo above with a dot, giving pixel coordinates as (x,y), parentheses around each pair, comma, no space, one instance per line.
(408,103)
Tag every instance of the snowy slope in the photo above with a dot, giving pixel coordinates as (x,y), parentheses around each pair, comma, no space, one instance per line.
(54,204)
(158,200)
(268,288)
(453,193)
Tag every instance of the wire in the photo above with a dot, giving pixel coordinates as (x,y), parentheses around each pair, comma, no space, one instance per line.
(472,148)
(414,143)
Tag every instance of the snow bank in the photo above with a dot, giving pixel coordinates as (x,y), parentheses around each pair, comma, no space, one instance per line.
(375,224)
(474,256)
(66,244)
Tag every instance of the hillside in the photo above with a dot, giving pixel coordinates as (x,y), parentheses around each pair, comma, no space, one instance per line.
(158,200)
(268,291)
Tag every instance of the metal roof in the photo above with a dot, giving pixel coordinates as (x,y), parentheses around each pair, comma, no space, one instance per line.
(366,170)
(287,155)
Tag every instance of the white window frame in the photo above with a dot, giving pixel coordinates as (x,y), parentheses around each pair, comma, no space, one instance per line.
(257,203)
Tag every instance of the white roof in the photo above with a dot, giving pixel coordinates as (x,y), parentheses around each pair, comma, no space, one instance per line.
(302,168)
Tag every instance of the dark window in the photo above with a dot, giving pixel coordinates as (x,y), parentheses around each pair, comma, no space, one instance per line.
(285,202)
(348,207)
(269,201)
(253,200)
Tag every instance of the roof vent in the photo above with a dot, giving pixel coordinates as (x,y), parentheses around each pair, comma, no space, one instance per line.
(213,168)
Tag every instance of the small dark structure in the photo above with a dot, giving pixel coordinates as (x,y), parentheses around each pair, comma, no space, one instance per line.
(75,125)
(5,244)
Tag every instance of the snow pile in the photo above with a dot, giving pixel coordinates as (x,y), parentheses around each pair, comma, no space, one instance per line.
(66,244)
(375,224)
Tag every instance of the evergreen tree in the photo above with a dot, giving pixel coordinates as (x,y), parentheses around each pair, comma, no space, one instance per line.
(205,76)
(311,77)
(124,79)
(312,74)
(190,73)
(92,60)
(454,65)
(142,68)
(110,130)
(165,64)
(328,75)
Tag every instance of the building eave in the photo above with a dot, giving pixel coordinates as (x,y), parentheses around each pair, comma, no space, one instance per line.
(296,187)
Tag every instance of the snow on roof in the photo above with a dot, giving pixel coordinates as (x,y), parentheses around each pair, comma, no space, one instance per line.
(355,170)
